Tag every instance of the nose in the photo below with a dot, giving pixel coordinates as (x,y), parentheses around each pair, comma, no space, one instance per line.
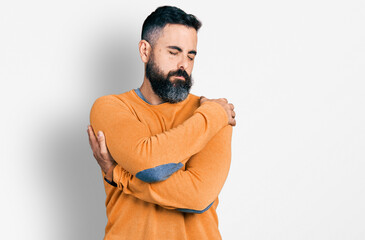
(183,63)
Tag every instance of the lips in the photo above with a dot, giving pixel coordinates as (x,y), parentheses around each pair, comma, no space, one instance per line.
(180,77)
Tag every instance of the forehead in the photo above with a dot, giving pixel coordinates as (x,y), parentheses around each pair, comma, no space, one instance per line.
(178,35)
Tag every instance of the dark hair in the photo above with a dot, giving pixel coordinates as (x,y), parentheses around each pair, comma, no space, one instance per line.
(158,19)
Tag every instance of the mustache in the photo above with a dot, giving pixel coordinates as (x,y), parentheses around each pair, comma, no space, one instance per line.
(179,73)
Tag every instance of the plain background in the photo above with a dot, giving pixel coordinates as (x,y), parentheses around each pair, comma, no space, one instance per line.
(293,69)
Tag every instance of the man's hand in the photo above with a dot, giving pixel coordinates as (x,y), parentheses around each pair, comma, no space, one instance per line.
(227,106)
(100,151)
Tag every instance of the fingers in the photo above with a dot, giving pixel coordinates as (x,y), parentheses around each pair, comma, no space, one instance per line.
(203,99)
(92,139)
(102,144)
(228,107)
(225,100)
(233,123)
(93,142)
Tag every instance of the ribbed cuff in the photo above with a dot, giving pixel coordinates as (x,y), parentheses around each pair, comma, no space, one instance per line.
(109,174)
(111,183)
(108,177)
(117,175)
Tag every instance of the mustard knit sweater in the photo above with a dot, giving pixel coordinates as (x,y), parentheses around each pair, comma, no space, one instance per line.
(173,160)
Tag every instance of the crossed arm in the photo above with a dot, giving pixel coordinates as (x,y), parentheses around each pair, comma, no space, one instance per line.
(207,158)
(189,190)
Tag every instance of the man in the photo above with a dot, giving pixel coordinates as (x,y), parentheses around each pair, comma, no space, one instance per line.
(166,153)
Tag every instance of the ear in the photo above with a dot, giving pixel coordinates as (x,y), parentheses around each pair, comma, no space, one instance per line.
(144,50)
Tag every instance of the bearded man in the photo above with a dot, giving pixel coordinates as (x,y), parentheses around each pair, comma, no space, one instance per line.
(164,153)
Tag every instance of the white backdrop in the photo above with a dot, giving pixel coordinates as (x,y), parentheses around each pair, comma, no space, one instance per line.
(293,69)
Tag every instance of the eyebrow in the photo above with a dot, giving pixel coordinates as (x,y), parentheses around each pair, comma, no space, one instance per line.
(180,50)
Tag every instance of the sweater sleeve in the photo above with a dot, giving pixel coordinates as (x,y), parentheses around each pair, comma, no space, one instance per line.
(153,158)
(191,190)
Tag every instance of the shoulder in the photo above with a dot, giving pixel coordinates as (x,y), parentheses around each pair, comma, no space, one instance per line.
(106,98)
(193,100)
(190,104)
(113,98)
(194,97)
(111,103)
(106,101)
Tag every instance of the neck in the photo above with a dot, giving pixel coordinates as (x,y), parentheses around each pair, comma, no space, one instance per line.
(148,93)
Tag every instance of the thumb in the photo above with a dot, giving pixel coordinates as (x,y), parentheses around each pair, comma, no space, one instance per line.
(101,137)
(203,99)
(102,145)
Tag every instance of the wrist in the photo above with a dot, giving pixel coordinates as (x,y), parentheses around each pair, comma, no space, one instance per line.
(109,172)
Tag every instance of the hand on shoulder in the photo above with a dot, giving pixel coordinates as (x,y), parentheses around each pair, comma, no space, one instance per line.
(228,107)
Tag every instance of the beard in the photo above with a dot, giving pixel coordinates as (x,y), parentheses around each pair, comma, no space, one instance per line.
(172,92)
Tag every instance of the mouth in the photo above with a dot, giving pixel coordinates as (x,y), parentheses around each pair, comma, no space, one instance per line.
(180,77)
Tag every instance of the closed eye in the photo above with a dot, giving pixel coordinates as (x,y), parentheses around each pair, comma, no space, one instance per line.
(173,53)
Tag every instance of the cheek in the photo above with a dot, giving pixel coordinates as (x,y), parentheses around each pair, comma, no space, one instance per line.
(191,66)
(168,63)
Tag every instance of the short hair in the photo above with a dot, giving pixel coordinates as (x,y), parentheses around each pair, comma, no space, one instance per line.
(162,16)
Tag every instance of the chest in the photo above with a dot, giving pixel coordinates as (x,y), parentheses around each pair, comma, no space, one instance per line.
(160,120)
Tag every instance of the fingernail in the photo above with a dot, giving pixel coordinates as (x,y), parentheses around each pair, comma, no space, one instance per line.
(99,134)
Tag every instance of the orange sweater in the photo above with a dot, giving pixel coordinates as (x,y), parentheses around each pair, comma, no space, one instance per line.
(173,160)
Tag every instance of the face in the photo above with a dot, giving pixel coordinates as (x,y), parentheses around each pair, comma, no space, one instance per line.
(171,62)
